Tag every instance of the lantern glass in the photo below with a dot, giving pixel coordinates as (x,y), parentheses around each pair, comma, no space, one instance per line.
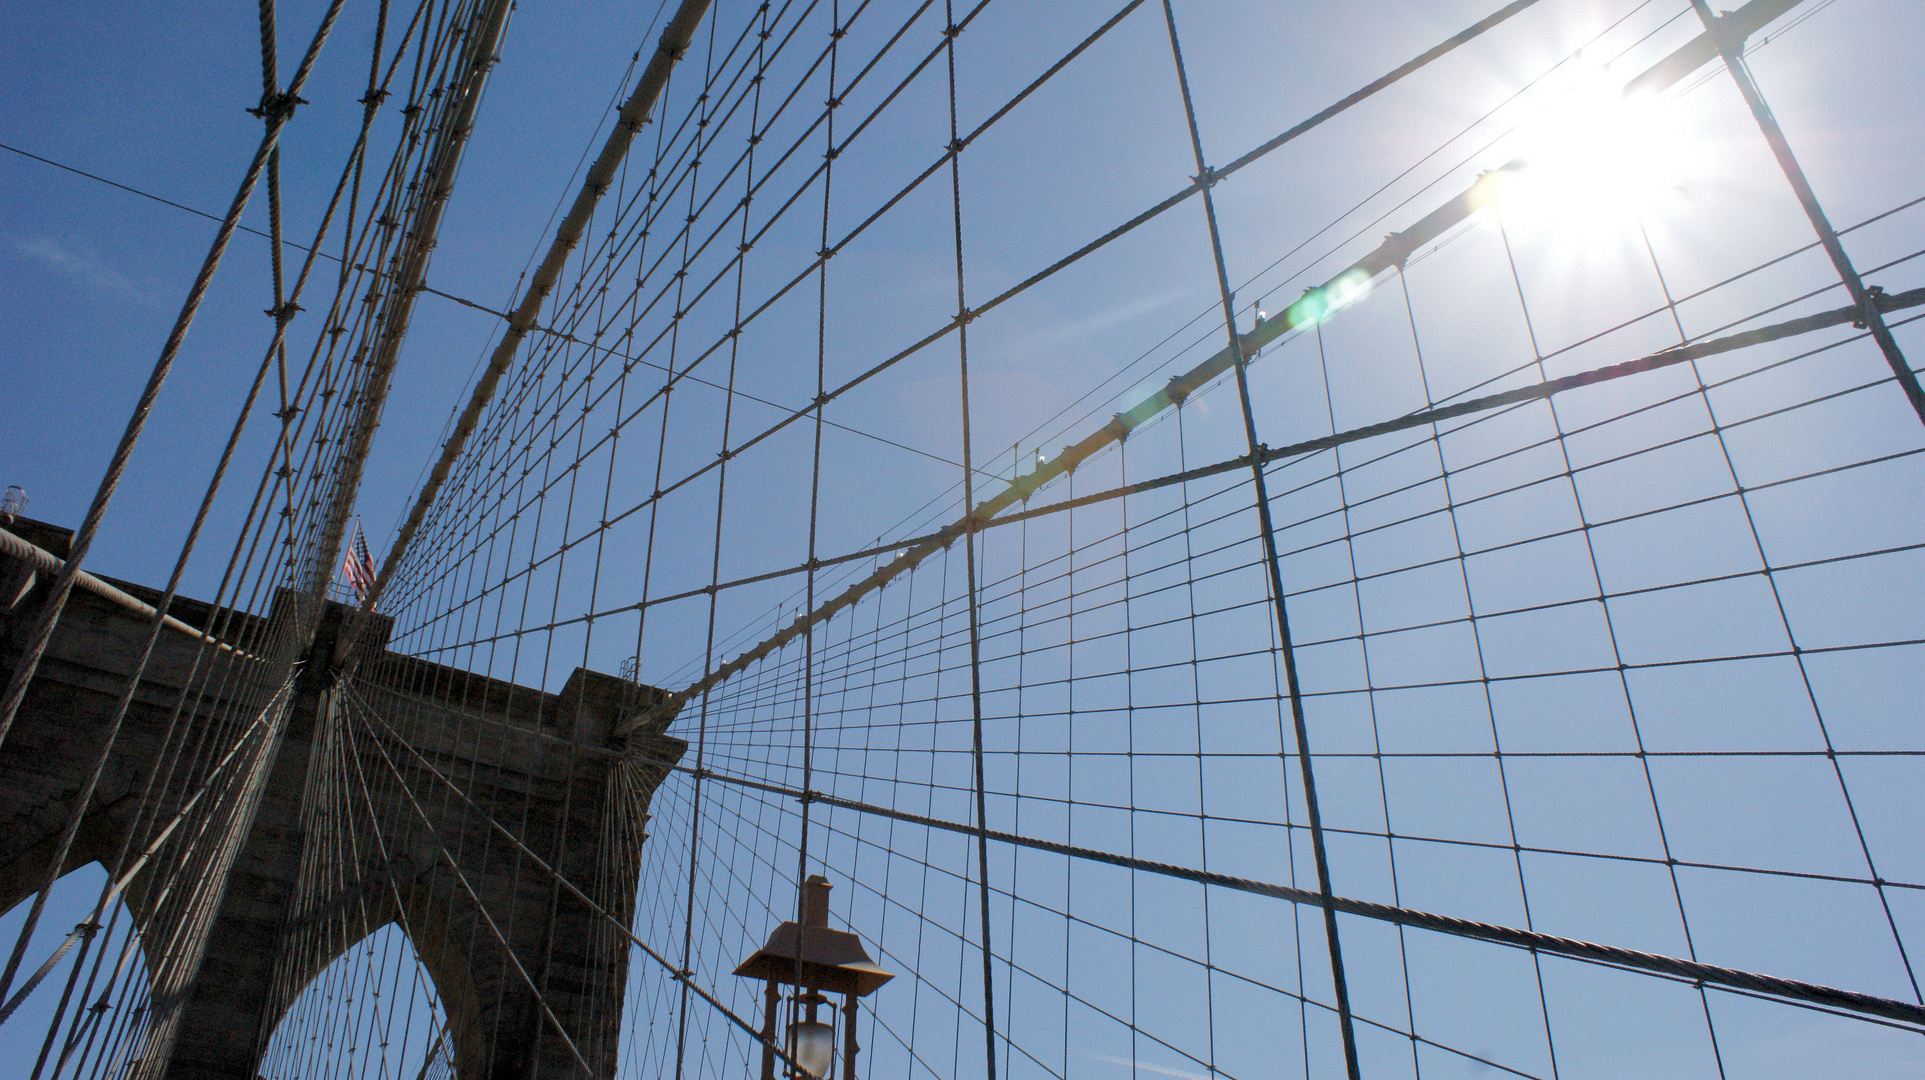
(814,1047)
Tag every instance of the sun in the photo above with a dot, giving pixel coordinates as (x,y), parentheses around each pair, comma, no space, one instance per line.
(1594,158)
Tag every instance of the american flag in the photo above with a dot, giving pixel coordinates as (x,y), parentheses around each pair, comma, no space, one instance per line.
(358,566)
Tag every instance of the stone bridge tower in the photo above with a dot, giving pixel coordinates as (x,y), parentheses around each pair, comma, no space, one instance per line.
(382,804)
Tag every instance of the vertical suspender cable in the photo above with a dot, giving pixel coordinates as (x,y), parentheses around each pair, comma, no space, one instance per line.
(276,114)
(951,32)
(410,273)
(675,41)
(836,31)
(1206,179)
(715,572)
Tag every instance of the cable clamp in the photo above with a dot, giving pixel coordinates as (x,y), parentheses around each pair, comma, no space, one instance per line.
(1207,178)
(826,254)
(955,146)
(965,317)
(374,97)
(284,312)
(1875,299)
(951,31)
(278,107)
(1395,242)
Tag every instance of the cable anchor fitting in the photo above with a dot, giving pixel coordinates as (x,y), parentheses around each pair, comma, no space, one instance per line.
(1874,299)
(277,106)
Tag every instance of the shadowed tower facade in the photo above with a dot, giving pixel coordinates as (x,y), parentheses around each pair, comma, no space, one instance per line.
(424,797)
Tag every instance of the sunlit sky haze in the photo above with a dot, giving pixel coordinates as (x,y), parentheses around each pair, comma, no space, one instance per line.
(1519,717)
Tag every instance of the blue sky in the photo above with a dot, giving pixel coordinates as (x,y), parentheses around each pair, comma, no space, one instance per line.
(155,98)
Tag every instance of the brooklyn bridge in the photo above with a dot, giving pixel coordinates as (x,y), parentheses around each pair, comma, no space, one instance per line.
(819,539)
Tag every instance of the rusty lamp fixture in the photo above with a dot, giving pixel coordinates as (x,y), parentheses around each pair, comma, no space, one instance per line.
(813,959)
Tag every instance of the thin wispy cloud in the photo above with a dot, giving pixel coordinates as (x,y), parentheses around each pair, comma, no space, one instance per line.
(1146,1067)
(83,265)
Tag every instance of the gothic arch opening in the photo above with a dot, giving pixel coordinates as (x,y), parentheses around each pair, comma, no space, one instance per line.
(373,1012)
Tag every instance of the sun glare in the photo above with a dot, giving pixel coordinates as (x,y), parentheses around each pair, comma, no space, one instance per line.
(1593,156)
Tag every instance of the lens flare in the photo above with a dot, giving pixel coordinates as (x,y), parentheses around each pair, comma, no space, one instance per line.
(1326,300)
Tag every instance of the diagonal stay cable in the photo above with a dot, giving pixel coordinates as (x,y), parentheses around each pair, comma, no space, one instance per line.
(91,925)
(276,114)
(929,542)
(743,320)
(675,40)
(1312,308)
(461,877)
(1859,1004)
(1302,127)
(1698,349)
(1730,48)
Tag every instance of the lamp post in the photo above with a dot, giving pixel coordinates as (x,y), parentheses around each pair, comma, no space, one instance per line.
(813,960)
